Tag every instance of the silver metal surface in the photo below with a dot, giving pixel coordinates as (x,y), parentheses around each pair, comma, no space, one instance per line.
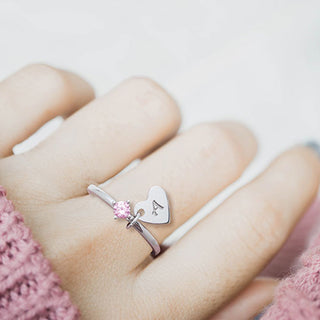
(92,189)
(146,234)
(155,210)
(133,220)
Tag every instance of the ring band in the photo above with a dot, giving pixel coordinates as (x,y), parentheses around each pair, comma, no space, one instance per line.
(154,210)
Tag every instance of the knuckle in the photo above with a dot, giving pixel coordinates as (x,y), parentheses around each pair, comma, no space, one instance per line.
(155,100)
(305,164)
(48,76)
(41,70)
(144,85)
(217,140)
(207,134)
(264,230)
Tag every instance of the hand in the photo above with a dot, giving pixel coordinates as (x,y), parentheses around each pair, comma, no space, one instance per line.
(107,268)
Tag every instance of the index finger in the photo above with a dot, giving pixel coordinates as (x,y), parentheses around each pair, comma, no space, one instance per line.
(34,95)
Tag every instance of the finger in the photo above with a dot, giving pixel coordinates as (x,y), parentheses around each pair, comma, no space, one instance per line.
(229,247)
(101,139)
(33,96)
(250,302)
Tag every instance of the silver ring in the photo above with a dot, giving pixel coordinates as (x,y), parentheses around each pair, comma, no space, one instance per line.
(154,210)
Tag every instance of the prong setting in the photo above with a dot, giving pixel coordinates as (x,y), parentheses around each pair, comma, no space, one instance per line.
(122,209)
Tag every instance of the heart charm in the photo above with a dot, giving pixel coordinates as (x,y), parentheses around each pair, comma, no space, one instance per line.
(155,208)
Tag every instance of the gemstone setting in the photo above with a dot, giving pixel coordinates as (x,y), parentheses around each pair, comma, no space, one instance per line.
(121,209)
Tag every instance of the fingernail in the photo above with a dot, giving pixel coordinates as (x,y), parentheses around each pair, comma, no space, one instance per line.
(259,316)
(315,146)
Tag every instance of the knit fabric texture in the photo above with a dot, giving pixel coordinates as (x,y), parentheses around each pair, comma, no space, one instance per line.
(286,261)
(29,289)
(298,296)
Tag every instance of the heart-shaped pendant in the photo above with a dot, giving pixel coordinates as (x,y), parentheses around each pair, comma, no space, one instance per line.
(155,208)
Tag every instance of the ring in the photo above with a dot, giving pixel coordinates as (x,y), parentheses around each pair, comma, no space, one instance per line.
(154,210)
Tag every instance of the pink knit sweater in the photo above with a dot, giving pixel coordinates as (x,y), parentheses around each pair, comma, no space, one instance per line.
(298,296)
(28,287)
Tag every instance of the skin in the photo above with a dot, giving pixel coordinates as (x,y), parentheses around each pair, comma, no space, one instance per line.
(106,268)
(252,299)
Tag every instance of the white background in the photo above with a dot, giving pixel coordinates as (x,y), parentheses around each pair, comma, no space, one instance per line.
(253,61)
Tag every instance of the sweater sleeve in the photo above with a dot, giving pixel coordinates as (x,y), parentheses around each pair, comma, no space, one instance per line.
(29,289)
(298,296)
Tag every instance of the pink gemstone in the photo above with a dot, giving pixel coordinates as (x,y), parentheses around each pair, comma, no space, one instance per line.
(121,209)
